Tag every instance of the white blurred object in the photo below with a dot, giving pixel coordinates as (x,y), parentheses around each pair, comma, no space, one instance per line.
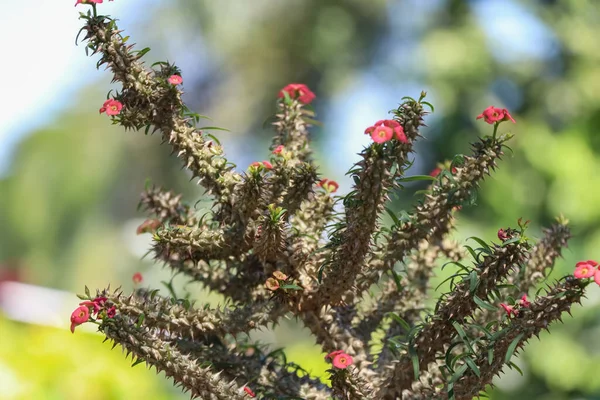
(39,305)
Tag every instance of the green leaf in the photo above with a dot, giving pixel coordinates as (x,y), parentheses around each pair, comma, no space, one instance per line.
(214,128)
(429,104)
(472,365)
(474,282)
(138,361)
(484,304)
(472,252)
(142,52)
(400,320)
(415,361)
(394,217)
(416,178)
(87,292)
(490,355)
(515,366)
(509,241)
(481,242)
(140,320)
(397,280)
(458,373)
(512,347)
(463,335)
(291,286)
(82,297)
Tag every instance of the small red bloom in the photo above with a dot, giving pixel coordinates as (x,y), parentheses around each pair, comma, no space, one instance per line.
(524,302)
(249,391)
(492,115)
(267,165)
(584,270)
(502,235)
(175,80)
(510,310)
(280,275)
(454,170)
(299,91)
(322,182)
(382,134)
(331,355)
(342,361)
(111,107)
(149,225)
(278,149)
(436,171)
(592,263)
(262,164)
(137,278)
(79,316)
(597,277)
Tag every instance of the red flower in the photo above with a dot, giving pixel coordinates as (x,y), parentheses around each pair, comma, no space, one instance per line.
(278,149)
(299,91)
(524,302)
(79,316)
(597,277)
(510,310)
(329,185)
(280,275)
(584,269)
(149,225)
(110,313)
(493,114)
(267,165)
(502,235)
(111,107)
(137,278)
(175,80)
(342,361)
(262,164)
(382,134)
(397,129)
(436,171)
(249,391)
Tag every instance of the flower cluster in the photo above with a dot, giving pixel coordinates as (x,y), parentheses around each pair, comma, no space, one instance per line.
(514,310)
(492,115)
(91,307)
(438,170)
(298,91)
(278,150)
(111,107)
(339,359)
(587,269)
(275,282)
(329,185)
(386,129)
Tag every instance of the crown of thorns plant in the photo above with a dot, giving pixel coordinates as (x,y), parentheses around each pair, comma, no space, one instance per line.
(274,246)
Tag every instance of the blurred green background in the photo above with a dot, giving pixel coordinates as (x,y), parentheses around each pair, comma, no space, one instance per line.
(70,182)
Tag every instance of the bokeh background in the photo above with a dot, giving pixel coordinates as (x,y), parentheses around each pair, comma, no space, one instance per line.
(70,182)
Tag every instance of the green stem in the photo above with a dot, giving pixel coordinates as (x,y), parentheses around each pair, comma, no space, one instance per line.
(495,129)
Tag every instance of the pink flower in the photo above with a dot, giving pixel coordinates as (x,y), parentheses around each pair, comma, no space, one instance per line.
(88,2)
(436,171)
(510,310)
(110,313)
(597,277)
(299,91)
(267,165)
(111,107)
(280,275)
(507,116)
(493,114)
(502,235)
(524,302)
(397,129)
(175,80)
(137,278)
(249,391)
(278,149)
(331,355)
(342,361)
(79,316)
(149,225)
(382,134)
(584,270)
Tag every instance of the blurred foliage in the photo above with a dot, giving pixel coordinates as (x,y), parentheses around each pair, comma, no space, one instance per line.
(67,206)
(51,364)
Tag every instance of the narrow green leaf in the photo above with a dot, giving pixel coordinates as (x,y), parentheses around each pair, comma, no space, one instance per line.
(394,217)
(399,320)
(512,347)
(140,320)
(138,361)
(87,292)
(484,304)
(291,286)
(416,178)
(490,355)
(515,366)
(473,367)
(474,282)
